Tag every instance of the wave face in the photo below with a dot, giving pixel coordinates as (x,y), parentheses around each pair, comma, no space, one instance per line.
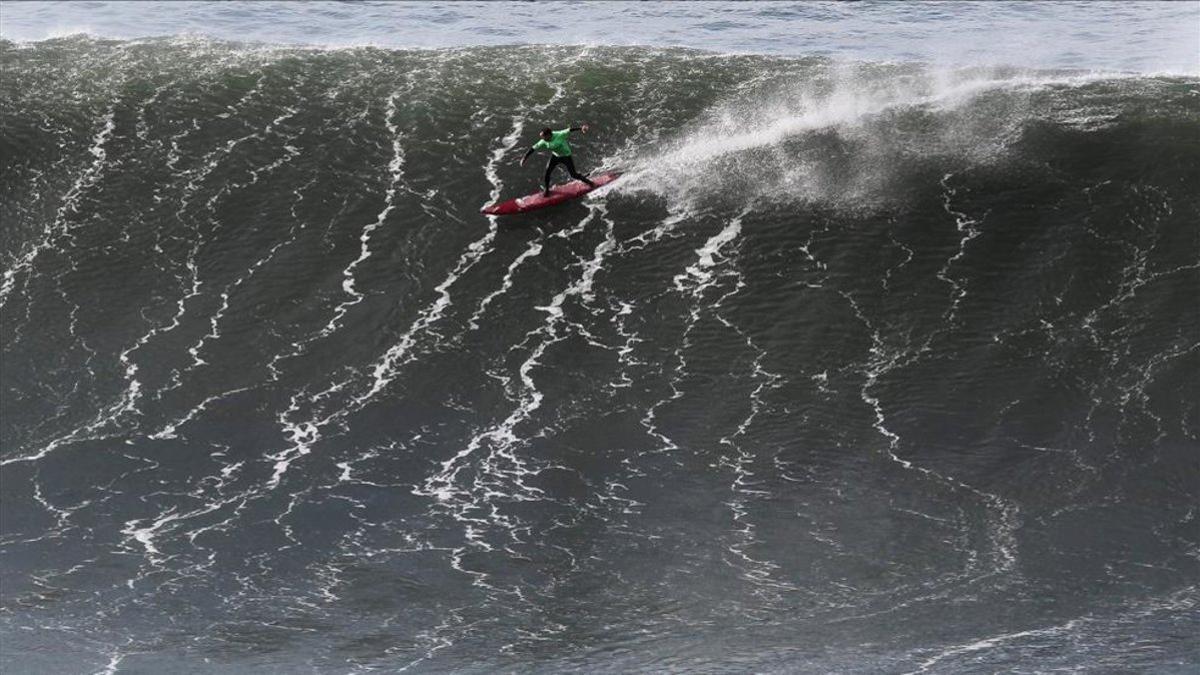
(860,368)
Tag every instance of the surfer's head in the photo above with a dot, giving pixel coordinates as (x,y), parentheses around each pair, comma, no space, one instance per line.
(547,133)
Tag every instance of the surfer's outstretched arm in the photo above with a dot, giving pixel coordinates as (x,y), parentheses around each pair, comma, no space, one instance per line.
(527,154)
(583,127)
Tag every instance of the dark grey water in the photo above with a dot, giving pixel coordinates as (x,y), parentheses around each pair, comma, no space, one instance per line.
(861,367)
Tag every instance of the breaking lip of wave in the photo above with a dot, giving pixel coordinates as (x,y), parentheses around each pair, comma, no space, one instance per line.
(1132,36)
(768,134)
(250,44)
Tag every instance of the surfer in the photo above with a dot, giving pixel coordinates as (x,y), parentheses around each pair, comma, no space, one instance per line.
(560,153)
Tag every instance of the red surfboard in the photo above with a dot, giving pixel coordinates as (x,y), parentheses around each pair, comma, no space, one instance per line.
(558,195)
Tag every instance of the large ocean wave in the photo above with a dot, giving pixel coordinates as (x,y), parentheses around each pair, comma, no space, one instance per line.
(859,367)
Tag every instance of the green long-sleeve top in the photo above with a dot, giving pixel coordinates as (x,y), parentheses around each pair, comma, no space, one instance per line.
(557,145)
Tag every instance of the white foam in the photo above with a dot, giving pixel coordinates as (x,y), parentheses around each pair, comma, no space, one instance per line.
(738,138)
(396,176)
(59,227)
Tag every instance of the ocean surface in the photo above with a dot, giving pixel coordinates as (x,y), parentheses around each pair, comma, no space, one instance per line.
(883,356)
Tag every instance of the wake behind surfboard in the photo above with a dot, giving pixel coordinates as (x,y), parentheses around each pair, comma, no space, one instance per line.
(558,195)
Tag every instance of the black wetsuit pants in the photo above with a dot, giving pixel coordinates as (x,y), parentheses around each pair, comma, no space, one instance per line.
(567,162)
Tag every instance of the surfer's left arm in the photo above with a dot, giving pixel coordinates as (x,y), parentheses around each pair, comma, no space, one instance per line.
(581,127)
(527,154)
